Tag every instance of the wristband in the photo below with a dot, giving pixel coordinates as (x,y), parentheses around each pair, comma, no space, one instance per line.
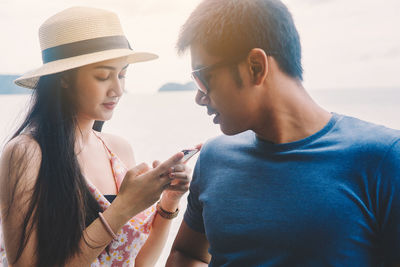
(166,214)
(107,226)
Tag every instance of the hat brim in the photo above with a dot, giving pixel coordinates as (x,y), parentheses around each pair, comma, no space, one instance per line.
(31,78)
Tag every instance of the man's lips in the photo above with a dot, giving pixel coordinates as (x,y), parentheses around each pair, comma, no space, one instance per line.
(211,111)
(216,118)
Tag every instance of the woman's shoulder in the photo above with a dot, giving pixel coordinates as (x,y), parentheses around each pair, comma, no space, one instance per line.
(119,146)
(21,147)
(20,162)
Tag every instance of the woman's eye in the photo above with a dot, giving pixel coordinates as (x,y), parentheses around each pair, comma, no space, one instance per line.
(101,78)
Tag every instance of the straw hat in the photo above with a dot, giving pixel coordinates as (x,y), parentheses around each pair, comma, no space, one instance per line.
(80,36)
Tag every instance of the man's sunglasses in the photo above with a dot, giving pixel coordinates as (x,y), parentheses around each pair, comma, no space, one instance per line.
(199,74)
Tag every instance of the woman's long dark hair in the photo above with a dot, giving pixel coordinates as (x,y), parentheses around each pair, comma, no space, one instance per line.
(61,205)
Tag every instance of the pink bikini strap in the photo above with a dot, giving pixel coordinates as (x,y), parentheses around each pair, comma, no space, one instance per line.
(104,144)
(111,158)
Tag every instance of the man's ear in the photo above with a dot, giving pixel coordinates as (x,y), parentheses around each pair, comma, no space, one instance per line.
(258,63)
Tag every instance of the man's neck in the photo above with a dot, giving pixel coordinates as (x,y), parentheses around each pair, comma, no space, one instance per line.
(289,114)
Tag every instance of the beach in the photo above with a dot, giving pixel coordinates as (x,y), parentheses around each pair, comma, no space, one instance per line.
(161,124)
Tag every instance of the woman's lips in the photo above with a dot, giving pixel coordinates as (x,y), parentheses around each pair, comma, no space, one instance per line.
(110,105)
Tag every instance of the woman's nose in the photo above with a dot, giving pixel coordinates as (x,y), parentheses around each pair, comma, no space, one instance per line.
(118,87)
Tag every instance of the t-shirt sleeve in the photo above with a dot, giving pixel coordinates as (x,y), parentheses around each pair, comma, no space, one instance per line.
(388,178)
(194,211)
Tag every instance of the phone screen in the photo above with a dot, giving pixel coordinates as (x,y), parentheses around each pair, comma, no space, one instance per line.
(188,153)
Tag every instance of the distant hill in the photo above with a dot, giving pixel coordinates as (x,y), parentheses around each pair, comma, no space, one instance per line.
(8,87)
(168,87)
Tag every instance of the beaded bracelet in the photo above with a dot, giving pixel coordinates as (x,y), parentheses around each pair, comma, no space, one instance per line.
(107,226)
(166,214)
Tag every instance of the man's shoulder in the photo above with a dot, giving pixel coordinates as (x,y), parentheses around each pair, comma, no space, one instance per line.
(363,133)
(357,123)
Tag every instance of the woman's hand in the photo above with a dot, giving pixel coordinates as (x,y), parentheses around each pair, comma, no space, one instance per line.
(143,186)
(181,175)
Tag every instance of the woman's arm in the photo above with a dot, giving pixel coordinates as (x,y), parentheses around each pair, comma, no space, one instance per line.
(20,163)
(155,243)
(98,237)
(140,186)
(151,250)
(19,167)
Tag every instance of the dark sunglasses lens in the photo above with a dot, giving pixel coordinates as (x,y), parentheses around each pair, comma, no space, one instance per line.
(200,85)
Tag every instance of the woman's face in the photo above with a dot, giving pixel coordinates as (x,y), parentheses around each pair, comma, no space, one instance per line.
(99,87)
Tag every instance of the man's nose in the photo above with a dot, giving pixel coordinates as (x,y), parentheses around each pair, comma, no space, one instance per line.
(201,98)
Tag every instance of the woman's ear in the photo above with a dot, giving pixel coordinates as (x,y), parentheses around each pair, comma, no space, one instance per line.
(258,63)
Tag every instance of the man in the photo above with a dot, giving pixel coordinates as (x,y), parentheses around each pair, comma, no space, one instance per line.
(290,184)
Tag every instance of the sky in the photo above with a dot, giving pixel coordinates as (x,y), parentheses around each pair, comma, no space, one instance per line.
(346,43)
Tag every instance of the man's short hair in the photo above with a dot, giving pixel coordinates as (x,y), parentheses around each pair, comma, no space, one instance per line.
(230,28)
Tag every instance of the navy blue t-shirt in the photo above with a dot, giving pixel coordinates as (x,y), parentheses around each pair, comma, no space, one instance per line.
(332,199)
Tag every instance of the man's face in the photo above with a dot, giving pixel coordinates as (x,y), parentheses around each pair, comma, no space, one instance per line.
(230,103)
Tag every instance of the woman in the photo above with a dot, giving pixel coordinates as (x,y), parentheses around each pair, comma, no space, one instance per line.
(67,199)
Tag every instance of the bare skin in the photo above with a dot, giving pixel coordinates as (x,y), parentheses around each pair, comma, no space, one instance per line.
(100,87)
(270,103)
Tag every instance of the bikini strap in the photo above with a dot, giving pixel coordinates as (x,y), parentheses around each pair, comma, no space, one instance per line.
(104,144)
(112,158)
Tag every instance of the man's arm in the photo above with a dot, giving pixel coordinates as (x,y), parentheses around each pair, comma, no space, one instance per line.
(190,249)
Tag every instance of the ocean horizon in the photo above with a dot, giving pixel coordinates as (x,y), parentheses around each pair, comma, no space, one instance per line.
(158,125)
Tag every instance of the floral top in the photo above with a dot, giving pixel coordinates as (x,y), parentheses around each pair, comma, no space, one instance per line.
(131,237)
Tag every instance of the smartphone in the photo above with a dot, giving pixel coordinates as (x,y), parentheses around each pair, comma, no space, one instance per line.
(188,153)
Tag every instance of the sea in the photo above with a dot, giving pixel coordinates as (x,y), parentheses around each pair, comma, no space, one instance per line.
(161,124)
